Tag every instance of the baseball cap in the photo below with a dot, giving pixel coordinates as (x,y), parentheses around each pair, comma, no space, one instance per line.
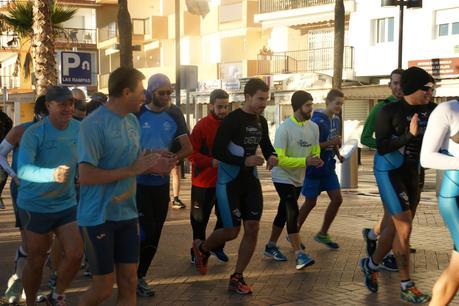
(58,93)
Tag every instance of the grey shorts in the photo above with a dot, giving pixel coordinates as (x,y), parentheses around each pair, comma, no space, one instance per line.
(43,223)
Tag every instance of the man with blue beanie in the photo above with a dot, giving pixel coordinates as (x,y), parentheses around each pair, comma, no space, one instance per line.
(161,124)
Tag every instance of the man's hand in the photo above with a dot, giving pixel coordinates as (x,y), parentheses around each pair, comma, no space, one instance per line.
(414,125)
(16,180)
(253,161)
(314,161)
(335,141)
(214,163)
(61,174)
(163,165)
(272,162)
(143,162)
(340,158)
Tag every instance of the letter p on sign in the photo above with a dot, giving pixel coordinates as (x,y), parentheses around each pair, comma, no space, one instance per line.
(69,61)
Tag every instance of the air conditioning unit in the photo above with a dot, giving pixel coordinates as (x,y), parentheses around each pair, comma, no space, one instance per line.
(198,7)
(414,4)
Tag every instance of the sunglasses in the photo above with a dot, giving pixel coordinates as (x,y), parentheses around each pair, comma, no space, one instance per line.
(426,88)
(164,92)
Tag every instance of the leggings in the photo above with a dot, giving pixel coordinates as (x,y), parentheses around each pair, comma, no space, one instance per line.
(287,211)
(152,204)
(448,204)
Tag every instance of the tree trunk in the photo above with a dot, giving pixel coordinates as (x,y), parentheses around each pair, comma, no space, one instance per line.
(338,50)
(43,47)
(125,34)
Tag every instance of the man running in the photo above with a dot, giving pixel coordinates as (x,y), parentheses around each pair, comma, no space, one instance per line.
(297,145)
(239,194)
(14,292)
(204,169)
(324,178)
(46,200)
(370,235)
(161,123)
(109,161)
(399,131)
(440,150)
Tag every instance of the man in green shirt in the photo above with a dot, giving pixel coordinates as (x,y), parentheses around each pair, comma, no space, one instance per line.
(370,235)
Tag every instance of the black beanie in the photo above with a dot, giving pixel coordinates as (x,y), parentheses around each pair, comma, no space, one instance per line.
(300,97)
(413,79)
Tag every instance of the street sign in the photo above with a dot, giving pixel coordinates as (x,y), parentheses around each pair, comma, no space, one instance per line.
(76,68)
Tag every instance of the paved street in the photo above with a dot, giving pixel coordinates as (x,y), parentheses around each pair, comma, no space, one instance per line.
(335,279)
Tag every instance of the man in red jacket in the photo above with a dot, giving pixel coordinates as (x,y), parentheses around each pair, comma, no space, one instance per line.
(205,169)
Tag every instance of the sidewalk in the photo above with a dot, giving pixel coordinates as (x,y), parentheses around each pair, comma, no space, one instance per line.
(335,279)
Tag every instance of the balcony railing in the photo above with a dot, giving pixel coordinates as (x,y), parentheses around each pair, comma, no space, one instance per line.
(301,61)
(9,40)
(108,32)
(77,36)
(269,6)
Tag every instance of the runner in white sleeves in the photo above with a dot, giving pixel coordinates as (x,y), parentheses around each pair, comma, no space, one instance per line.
(440,150)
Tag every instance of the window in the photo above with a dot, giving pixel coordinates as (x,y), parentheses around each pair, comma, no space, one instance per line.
(443,29)
(455,28)
(383,30)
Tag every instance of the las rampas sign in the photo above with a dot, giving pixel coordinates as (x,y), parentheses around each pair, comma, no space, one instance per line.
(76,68)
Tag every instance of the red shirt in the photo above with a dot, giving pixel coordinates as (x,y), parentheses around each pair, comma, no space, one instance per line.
(202,138)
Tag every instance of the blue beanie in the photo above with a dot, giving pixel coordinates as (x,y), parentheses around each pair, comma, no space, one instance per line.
(156,81)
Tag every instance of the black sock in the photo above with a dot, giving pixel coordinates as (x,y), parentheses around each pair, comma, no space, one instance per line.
(176,198)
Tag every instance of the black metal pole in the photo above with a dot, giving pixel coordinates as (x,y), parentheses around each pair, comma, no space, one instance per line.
(400,35)
(177,53)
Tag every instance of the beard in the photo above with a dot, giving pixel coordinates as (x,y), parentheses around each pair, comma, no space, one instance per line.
(156,102)
(306,116)
(220,117)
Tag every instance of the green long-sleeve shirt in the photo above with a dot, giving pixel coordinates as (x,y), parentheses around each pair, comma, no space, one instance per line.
(367,138)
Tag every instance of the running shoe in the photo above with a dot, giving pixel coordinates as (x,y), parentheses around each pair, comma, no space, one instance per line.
(370,243)
(220,254)
(143,288)
(412,295)
(326,239)
(87,272)
(52,281)
(412,250)
(302,246)
(192,256)
(200,259)
(303,260)
(371,276)
(238,285)
(274,253)
(2,205)
(178,204)
(14,290)
(389,263)
(59,301)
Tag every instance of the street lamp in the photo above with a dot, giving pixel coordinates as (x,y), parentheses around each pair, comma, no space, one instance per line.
(402,4)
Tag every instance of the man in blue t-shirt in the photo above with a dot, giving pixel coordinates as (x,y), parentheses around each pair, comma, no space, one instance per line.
(109,161)
(46,200)
(324,178)
(162,125)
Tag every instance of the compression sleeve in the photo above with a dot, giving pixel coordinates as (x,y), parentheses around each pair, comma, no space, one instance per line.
(220,151)
(5,149)
(386,142)
(438,128)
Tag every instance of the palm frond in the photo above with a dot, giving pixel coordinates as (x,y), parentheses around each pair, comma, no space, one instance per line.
(61,13)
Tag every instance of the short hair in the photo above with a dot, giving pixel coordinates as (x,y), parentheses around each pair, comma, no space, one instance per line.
(299,98)
(122,78)
(80,105)
(77,91)
(40,106)
(254,85)
(92,106)
(218,94)
(396,71)
(333,94)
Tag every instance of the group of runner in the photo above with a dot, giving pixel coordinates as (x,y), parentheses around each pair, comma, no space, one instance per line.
(124,153)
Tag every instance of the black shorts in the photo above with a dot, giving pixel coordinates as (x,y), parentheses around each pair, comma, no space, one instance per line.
(110,243)
(240,199)
(43,223)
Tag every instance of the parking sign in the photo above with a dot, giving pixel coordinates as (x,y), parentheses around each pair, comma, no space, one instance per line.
(76,68)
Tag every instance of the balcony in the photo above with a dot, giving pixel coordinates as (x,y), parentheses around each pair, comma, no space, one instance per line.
(314,60)
(78,37)
(9,42)
(269,6)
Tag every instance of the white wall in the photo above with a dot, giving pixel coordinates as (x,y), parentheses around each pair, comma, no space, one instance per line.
(420,38)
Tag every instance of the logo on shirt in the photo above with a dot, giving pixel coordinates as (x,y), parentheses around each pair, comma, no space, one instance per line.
(303,143)
(101,236)
(167,126)
(146,125)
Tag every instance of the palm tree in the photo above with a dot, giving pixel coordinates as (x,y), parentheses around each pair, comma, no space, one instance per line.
(20,20)
(338,44)
(125,32)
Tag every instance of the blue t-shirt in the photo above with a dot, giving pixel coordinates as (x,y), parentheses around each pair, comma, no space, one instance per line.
(14,162)
(42,149)
(159,131)
(108,141)
(328,129)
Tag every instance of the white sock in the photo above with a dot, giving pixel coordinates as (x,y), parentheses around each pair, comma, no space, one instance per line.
(406,284)
(390,253)
(372,264)
(372,235)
